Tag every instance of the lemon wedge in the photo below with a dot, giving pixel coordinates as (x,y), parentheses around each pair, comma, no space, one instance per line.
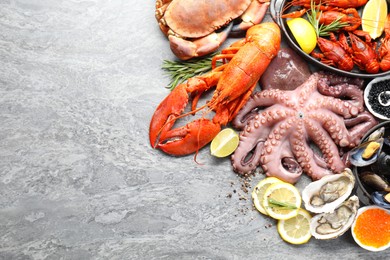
(224,143)
(374,17)
(304,34)
(296,230)
(282,200)
(259,190)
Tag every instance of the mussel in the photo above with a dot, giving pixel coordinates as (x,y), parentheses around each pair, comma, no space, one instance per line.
(381,198)
(368,152)
(374,181)
(382,164)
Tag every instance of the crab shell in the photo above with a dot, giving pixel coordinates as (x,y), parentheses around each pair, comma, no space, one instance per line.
(197,18)
(344,178)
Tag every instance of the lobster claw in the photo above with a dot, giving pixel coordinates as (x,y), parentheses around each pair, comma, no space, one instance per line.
(188,139)
(165,115)
(183,140)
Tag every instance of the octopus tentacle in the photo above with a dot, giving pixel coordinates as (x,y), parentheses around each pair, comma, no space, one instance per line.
(338,106)
(351,93)
(309,161)
(277,156)
(334,125)
(255,103)
(329,149)
(335,79)
(358,126)
(247,155)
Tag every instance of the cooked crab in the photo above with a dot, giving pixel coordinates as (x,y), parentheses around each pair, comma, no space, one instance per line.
(198,27)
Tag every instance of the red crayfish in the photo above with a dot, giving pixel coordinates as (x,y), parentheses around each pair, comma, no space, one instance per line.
(333,53)
(234,81)
(328,4)
(339,53)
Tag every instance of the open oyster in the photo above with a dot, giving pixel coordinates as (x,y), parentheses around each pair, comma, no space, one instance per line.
(333,225)
(327,193)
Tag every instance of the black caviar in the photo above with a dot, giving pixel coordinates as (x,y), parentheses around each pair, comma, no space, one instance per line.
(376,89)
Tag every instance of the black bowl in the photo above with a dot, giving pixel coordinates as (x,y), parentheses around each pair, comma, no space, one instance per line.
(362,191)
(276,9)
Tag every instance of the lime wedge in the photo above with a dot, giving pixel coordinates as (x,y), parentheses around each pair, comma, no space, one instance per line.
(224,143)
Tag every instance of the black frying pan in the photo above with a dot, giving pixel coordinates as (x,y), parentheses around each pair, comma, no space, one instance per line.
(276,8)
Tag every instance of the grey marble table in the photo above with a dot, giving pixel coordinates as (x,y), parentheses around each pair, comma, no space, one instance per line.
(79,81)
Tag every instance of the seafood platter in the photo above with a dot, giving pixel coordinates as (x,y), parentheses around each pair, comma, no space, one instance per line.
(284,10)
(286,119)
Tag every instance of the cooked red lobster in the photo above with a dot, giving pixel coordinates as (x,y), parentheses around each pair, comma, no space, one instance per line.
(234,81)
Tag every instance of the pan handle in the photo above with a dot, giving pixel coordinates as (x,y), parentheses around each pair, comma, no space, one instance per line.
(275,8)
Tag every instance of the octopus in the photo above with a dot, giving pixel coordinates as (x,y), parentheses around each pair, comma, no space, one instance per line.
(305,130)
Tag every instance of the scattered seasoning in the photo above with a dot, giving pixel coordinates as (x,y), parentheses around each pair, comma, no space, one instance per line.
(372,228)
(376,89)
(269,225)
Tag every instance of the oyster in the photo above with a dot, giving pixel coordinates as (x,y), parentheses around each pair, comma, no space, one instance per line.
(333,225)
(327,193)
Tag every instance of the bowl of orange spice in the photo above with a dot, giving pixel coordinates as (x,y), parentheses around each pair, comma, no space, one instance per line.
(371,228)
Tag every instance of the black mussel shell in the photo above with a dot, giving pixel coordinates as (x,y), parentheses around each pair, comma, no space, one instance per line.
(387,141)
(374,181)
(356,158)
(378,197)
(382,164)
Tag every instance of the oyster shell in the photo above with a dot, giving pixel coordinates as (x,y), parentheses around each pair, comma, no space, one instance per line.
(333,225)
(326,194)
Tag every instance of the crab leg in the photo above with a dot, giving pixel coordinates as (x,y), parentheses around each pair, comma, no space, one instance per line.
(186,49)
(252,16)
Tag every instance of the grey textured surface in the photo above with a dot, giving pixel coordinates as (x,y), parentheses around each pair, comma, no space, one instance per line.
(79,81)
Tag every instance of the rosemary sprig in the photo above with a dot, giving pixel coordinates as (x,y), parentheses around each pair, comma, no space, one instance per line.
(279,204)
(322,29)
(180,71)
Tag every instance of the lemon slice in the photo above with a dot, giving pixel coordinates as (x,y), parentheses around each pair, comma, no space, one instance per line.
(296,230)
(282,200)
(374,17)
(224,143)
(304,34)
(259,190)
